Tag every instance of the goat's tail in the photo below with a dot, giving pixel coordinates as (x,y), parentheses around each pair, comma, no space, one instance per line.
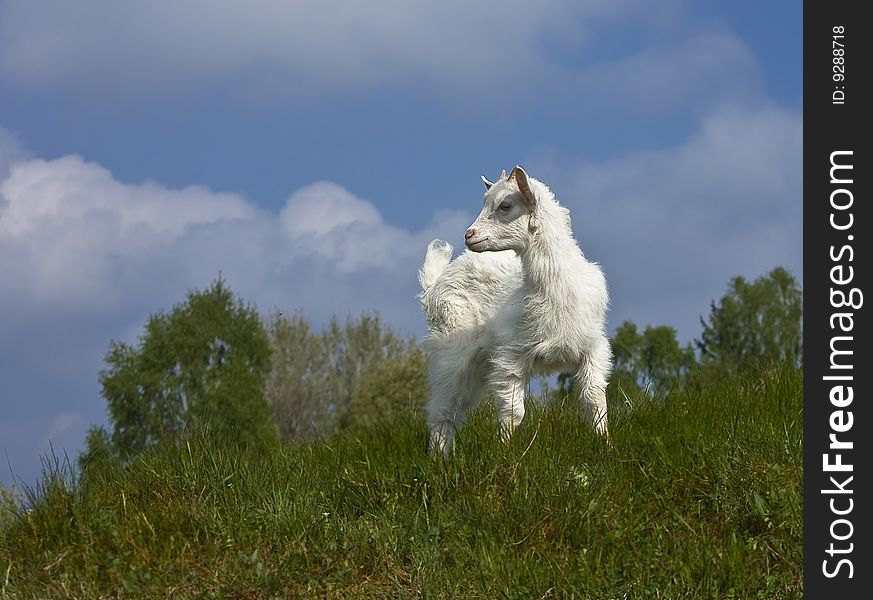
(437,258)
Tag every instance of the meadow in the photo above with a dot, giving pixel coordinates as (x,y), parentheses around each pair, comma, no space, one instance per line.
(698,496)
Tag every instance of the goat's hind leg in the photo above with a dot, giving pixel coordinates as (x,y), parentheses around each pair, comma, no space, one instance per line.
(442,413)
(456,386)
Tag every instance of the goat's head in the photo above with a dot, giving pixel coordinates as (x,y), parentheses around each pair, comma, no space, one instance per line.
(508,216)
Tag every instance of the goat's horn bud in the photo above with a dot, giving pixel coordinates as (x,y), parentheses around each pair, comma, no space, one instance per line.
(502,173)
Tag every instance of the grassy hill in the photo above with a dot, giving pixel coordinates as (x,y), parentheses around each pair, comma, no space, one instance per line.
(699,497)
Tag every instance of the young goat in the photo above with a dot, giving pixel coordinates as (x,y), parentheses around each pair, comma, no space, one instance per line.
(522,300)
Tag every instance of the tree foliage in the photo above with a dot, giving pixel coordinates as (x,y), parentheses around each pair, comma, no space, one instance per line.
(652,360)
(754,322)
(203,364)
(298,376)
(316,375)
(390,387)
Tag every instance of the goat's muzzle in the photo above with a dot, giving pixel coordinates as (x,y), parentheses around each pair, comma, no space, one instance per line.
(472,240)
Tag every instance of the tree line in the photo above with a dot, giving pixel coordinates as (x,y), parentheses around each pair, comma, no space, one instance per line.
(754,324)
(212,362)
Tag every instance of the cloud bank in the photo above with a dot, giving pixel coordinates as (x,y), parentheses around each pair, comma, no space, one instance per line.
(75,239)
(94,49)
(335,42)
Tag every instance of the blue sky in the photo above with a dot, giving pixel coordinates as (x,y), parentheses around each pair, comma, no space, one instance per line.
(309,151)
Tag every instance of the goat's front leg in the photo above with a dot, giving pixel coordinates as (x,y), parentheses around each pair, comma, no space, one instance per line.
(508,389)
(592,379)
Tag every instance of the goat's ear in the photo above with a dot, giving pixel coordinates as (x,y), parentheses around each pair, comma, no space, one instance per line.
(520,177)
(487,183)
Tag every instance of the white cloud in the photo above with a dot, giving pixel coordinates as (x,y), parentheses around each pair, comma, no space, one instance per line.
(73,239)
(327,221)
(71,190)
(67,227)
(324,207)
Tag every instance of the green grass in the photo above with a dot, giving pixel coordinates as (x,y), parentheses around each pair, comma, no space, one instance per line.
(699,497)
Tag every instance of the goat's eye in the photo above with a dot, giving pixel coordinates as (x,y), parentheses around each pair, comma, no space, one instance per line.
(504,206)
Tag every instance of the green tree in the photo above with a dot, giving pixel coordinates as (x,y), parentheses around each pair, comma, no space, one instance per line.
(389,387)
(203,364)
(315,374)
(298,377)
(754,322)
(652,360)
(98,450)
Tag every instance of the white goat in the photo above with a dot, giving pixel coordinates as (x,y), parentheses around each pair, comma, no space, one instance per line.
(522,300)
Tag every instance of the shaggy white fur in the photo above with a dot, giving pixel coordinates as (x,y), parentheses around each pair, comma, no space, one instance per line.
(521,300)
